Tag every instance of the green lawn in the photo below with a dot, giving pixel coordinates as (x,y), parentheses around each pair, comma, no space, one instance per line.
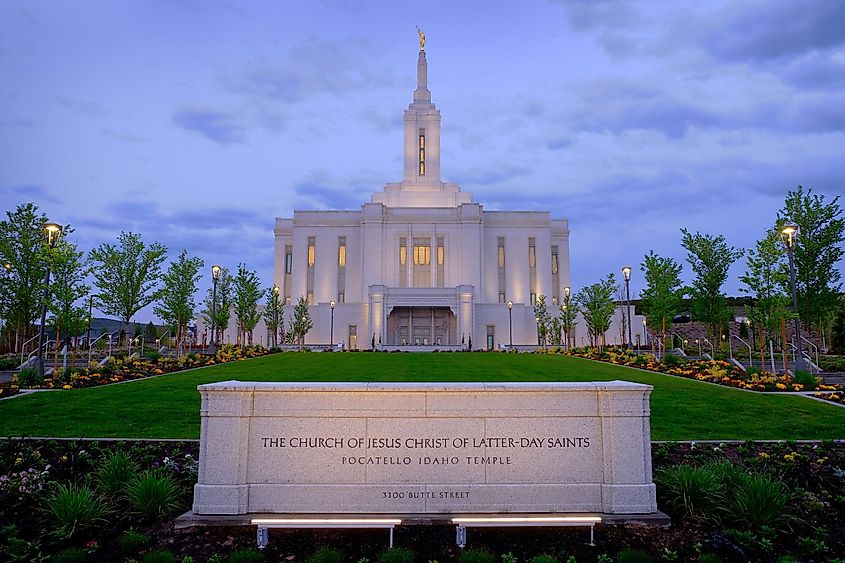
(168,406)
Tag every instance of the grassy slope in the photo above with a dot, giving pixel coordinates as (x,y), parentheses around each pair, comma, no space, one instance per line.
(168,407)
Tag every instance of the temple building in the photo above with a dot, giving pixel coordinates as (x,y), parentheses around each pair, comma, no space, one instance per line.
(421,265)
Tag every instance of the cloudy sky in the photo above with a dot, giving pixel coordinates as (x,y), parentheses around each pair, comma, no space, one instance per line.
(196,122)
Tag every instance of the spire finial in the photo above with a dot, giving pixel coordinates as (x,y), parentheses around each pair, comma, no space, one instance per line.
(421,33)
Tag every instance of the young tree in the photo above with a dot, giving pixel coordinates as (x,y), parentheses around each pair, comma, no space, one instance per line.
(247,294)
(23,258)
(710,258)
(222,308)
(597,306)
(176,303)
(541,314)
(301,322)
(274,312)
(663,295)
(126,275)
(69,270)
(567,317)
(554,330)
(821,230)
(764,279)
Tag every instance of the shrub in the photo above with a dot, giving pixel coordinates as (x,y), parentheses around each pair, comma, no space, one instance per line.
(29,377)
(758,500)
(543,559)
(395,555)
(806,379)
(709,558)
(672,360)
(153,356)
(246,556)
(115,473)
(69,555)
(326,554)
(154,495)
(132,542)
(629,555)
(160,556)
(477,555)
(689,492)
(73,509)
(9,363)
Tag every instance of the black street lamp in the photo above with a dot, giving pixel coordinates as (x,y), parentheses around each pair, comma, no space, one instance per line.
(53,232)
(88,338)
(788,234)
(215,274)
(510,321)
(626,272)
(331,329)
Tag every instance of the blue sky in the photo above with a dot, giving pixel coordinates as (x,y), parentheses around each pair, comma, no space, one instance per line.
(197,122)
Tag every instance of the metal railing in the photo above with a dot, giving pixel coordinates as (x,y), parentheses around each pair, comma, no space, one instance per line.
(750,354)
(23,348)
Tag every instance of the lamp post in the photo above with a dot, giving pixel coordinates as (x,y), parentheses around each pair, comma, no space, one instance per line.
(788,233)
(215,274)
(331,329)
(276,319)
(698,341)
(510,322)
(537,320)
(53,232)
(90,309)
(109,337)
(645,337)
(626,272)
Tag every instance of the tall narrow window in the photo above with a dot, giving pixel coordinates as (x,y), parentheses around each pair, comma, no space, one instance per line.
(341,268)
(403,262)
(555,277)
(422,152)
(288,270)
(309,278)
(500,248)
(441,262)
(422,262)
(532,268)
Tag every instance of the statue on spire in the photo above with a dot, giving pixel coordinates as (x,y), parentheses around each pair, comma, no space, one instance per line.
(422,38)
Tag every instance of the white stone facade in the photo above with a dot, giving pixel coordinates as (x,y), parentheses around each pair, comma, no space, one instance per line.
(421,264)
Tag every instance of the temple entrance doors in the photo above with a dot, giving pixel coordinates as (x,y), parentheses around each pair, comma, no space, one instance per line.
(421,326)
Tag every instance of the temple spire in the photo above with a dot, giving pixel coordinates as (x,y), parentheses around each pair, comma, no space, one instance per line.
(421,94)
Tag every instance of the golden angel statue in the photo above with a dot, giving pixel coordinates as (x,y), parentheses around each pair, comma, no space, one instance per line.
(422,38)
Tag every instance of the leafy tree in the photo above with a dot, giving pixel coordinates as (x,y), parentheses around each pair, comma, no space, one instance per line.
(837,339)
(176,303)
(710,258)
(274,311)
(222,307)
(663,295)
(69,271)
(597,306)
(554,330)
(23,258)
(821,230)
(567,317)
(247,294)
(764,279)
(127,275)
(541,313)
(302,323)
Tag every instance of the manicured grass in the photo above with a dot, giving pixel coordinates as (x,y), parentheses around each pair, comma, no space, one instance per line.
(168,406)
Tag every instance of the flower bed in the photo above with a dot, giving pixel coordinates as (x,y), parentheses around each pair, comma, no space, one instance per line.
(125,368)
(834,397)
(712,371)
(792,504)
